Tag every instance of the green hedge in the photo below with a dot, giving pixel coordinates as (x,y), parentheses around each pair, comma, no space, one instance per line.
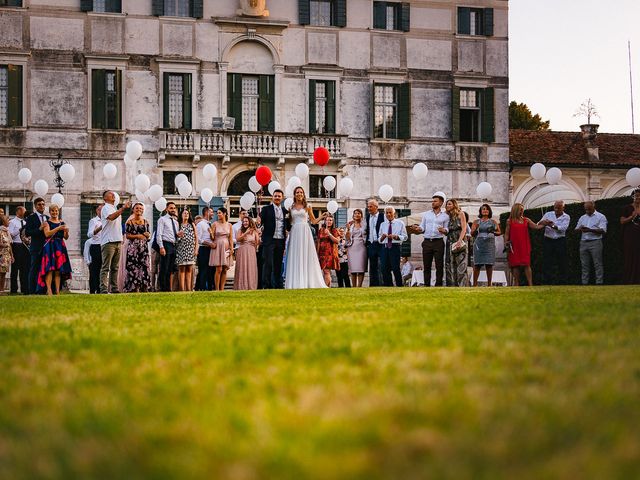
(613,260)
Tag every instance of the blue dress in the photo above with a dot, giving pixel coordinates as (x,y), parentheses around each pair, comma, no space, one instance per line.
(54,257)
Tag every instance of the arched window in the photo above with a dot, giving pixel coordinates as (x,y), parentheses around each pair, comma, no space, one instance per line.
(240,183)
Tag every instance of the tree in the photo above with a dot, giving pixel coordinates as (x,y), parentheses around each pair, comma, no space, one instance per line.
(520,117)
(587,109)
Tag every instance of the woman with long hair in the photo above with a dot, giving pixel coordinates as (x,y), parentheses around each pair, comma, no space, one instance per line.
(221,249)
(138,278)
(356,248)
(55,266)
(485,230)
(186,251)
(456,248)
(248,241)
(6,253)
(518,243)
(328,238)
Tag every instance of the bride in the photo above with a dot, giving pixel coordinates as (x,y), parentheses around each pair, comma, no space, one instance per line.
(303,267)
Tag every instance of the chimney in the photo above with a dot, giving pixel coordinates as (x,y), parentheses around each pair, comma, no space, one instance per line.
(589,131)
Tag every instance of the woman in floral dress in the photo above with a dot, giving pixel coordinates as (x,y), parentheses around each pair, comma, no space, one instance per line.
(138,277)
(328,238)
(186,251)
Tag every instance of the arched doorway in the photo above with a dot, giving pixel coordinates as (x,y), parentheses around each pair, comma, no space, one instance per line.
(238,186)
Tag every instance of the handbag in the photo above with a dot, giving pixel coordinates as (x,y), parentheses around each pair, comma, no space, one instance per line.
(458,247)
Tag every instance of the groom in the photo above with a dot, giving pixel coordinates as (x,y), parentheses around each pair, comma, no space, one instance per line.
(275,225)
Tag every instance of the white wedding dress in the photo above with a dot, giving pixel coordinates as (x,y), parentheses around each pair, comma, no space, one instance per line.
(303,267)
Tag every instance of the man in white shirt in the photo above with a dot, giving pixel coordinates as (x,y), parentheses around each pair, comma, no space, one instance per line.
(110,242)
(167,233)
(204,281)
(373,220)
(238,225)
(592,225)
(392,234)
(20,266)
(95,251)
(554,245)
(434,226)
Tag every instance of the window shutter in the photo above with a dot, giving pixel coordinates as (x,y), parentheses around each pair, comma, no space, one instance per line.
(86,214)
(11,3)
(196,9)
(488,115)
(266,104)
(15,95)
(86,5)
(118,124)
(331,107)
(455,114)
(157,8)
(342,217)
(186,101)
(464,20)
(234,98)
(98,106)
(312,106)
(404,110)
(380,15)
(165,100)
(488,22)
(405,17)
(304,12)
(405,248)
(340,13)
(114,6)
(372,114)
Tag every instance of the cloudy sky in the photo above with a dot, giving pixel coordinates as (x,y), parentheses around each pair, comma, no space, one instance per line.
(565,51)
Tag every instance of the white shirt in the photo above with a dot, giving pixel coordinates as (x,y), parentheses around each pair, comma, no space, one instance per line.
(111,229)
(430,223)
(165,230)
(597,220)
(202,230)
(236,228)
(407,269)
(397,228)
(561,222)
(86,252)
(373,231)
(278,233)
(93,224)
(15,225)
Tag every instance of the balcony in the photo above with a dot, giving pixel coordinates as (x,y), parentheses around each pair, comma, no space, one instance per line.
(237,144)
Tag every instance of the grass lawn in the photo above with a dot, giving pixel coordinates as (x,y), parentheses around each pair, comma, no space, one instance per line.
(526,383)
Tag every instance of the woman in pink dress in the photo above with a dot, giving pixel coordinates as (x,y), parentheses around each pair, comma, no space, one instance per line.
(518,243)
(221,249)
(248,240)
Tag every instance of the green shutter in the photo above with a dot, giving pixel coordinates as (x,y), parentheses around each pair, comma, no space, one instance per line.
(372,114)
(234,98)
(455,114)
(86,214)
(266,103)
(342,217)
(186,101)
(488,22)
(312,106)
(165,100)
(380,15)
(405,17)
(157,8)
(330,113)
(118,124)
(98,104)
(488,115)
(464,20)
(405,248)
(15,95)
(86,5)
(196,9)
(340,13)
(11,3)
(404,110)
(304,13)
(114,6)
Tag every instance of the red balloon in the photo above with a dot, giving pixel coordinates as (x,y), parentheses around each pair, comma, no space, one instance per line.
(321,156)
(263,175)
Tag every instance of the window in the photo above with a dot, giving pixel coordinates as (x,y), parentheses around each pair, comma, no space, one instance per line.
(168,182)
(322,106)
(106,88)
(177,8)
(251,101)
(320,11)
(324,13)
(473,115)
(317,190)
(10,3)
(391,106)
(475,21)
(101,6)
(177,100)
(469,116)
(391,16)
(10,95)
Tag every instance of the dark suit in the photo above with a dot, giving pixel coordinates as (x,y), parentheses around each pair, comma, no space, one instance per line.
(373,250)
(272,248)
(32,229)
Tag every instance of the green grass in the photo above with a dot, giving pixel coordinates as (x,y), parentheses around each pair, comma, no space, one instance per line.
(365,384)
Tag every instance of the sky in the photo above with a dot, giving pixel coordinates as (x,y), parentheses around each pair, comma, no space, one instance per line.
(562,52)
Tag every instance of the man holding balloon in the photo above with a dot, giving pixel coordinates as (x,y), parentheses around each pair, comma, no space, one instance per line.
(110,241)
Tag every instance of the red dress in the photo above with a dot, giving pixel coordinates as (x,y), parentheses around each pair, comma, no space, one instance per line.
(520,255)
(327,250)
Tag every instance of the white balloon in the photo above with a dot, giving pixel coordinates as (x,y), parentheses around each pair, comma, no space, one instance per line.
(206,195)
(57,199)
(329,183)
(209,171)
(302,171)
(288,202)
(24,175)
(254,185)
(180,178)
(67,172)
(332,206)
(134,149)
(142,182)
(246,201)
(128,161)
(161,204)
(554,175)
(420,171)
(41,187)
(185,189)
(346,186)
(273,186)
(141,196)
(295,182)
(633,177)
(537,171)
(109,171)
(154,192)
(484,189)
(385,192)
(288,191)
(117,199)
